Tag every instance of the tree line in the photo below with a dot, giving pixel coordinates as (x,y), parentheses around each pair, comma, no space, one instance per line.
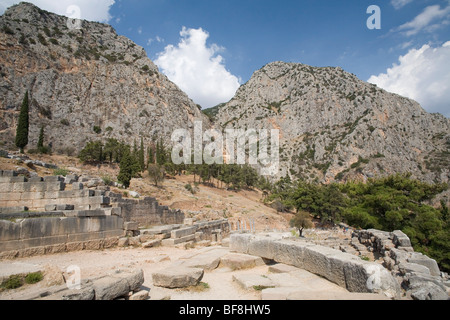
(396,202)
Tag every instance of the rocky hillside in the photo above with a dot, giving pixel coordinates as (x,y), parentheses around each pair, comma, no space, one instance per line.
(84,84)
(334,126)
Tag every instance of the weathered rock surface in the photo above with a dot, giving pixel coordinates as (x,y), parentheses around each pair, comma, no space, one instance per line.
(177,277)
(334,126)
(79,79)
(346,270)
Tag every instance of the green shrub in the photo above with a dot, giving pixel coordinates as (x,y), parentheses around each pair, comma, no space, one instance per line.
(61,172)
(13,282)
(97,130)
(42,40)
(34,277)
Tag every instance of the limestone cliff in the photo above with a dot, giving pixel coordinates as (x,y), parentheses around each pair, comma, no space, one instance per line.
(83,78)
(334,126)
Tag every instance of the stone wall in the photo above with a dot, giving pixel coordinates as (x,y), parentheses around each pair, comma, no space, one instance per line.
(55,214)
(37,192)
(147,212)
(418,274)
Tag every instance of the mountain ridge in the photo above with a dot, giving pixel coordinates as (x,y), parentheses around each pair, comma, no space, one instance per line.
(334,125)
(92,84)
(81,79)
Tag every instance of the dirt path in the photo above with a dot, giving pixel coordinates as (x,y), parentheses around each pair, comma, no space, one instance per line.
(97,263)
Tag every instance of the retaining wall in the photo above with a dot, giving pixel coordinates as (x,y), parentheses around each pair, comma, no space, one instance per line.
(147,212)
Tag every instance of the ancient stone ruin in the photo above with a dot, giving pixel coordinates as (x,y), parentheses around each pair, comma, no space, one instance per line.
(44,215)
(54,214)
(397,273)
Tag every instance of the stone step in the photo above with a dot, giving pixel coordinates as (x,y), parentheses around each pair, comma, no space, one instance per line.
(177,277)
(238,261)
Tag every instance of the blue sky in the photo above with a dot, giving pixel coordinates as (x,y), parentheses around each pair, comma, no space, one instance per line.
(209,47)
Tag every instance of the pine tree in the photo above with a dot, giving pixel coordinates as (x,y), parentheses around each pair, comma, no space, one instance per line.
(23,125)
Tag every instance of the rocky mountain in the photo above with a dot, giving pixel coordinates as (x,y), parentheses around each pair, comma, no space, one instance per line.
(88,83)
(334,126)
(85,83)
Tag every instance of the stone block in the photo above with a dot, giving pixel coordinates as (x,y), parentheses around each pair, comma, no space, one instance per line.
(74,246)
(94,244)
(180,233)
(40,227)
(50,207)
(123,242)
(139,296)
(65,207)
(9,173)
(177,277)
(172,242)
(151,244)
(53,179)
(207,261)
(237,261)
(262,247)
(10,210)
(423,260)
(253,281)
(71,178)
(134,278)
(77,186)
(240,242)
(407,267)
(131,226)
(400,239)
(282,268)
(110,288)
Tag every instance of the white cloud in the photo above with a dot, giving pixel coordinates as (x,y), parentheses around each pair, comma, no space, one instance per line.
(423,75)
(92,10)
(424,21)
(157,39)
(398,4)
(198,69)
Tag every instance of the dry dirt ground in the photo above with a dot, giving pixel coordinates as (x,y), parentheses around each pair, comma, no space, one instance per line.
(207,203)
(220,284)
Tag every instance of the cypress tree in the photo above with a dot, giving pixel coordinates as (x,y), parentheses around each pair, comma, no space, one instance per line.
(151,155)
(23,125)
(40,145)
(142,155)
(126,169)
